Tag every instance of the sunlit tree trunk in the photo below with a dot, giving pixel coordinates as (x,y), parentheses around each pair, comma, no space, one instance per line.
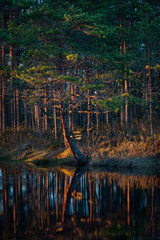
(125,88)
(107,117)
(150,95)
(45,109)
(88,114)
(36,117)
(121,84)
(97,121)
(17,109)
(55,124)
(14,110)
(72,92)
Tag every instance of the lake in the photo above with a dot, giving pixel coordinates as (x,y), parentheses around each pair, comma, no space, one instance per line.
(68,203)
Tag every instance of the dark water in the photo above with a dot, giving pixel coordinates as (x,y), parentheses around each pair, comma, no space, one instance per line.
(64,203)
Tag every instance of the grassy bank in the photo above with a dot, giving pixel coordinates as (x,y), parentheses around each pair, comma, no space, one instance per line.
(125,153)
(128,149)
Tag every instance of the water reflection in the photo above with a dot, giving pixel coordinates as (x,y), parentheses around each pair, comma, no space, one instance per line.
(77,204)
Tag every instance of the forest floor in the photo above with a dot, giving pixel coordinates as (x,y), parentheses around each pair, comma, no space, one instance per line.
(128,156)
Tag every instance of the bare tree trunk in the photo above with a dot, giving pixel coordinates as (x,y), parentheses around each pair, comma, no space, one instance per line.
(3,89)
(150,92)
(125,88)
(71,142)
(150,104)
(45,109)
(121,112)
(97,121)
(25,114)
(37,118)
(3,65)
(121,49)
(17,103)
(11,68)
(88,114)
(107,118)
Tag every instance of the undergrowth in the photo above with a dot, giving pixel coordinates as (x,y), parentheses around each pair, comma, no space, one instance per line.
(107,142)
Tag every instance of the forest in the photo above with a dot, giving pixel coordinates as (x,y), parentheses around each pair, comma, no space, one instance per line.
(83,74)
(79,119)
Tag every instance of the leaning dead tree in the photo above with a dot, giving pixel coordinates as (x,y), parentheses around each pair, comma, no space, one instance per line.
(82,160)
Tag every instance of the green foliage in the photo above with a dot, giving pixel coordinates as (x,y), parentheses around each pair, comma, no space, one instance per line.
(68,79)
(104,43)
(112,104)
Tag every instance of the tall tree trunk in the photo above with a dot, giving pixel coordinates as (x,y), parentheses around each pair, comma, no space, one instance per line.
(150,103)
(125,88)
(3,88)
(121,84)
(14,110)
(88,114)
(107,117)
(71,142)
(150,89)
(121,111)
(37,118)
(25,114)
(17,104)
(11,68)
(45,109)
(3,80)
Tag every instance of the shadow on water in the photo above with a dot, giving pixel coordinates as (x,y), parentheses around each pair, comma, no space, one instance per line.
(68,203)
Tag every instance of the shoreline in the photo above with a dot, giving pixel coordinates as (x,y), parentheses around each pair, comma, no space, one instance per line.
(64,158)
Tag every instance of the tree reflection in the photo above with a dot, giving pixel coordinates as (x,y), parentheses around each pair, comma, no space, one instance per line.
(45,202)
(68,194)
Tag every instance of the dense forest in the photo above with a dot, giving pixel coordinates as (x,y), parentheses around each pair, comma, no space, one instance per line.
(96,61)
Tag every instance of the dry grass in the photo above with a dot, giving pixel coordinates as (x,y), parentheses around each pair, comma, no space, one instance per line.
(128,149)
(97,147)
